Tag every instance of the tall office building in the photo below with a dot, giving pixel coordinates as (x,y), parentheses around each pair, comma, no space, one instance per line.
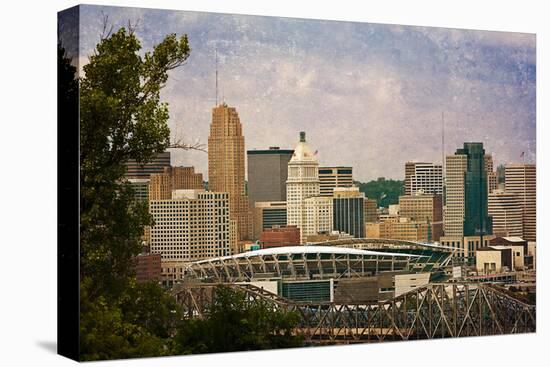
(185,178)
(267,174)
(492,179)
(521,179)
(143,171)
(332,177)
(162,184)
(226,165)
(191,225)
(348,211)
(317,217)
(476,218)
(424,207)
(454,184)
(506,210)
(466,183)
(371,210)
(425,177)
(302,183)
(266,215)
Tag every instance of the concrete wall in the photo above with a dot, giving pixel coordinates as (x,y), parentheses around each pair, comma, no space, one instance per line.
(407,282)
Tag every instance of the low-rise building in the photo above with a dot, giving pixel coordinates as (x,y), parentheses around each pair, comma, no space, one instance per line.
(280,236)
(494,259)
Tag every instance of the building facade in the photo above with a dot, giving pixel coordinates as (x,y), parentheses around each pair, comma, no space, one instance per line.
(425,177)
(302,183)
(144,170)
(466,211)
(280,236)
(505,209)
(267,214)
(404,229)
(190,226)
(424,207)
(317,216)
(267,174)
(331,178)
(147,267)
(348,211)
(185,178)
(226,172)
(162,184)
(492,179)
(521,179)
(140,187)
(371,210)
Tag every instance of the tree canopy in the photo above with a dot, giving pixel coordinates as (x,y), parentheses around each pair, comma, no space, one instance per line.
(385,191)
(121,118)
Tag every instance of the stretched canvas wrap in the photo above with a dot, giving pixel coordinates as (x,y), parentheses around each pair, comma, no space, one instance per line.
(238,182)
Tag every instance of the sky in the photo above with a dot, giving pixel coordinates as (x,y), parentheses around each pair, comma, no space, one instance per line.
(370,96)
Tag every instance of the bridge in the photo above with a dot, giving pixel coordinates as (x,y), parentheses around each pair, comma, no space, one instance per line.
(437,310)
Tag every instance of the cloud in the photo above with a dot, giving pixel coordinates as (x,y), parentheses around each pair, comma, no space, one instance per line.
(370,96)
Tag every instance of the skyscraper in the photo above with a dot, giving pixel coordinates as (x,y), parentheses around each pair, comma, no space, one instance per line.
(456,165)
(191,225)
(506,210)
(521,179)
(267,174)
(348,211)
(466,205)
(226,164)
(425,177)
(302,183)
(476,217)
(332,177)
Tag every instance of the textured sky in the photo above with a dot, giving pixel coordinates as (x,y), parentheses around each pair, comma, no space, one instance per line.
(368,95)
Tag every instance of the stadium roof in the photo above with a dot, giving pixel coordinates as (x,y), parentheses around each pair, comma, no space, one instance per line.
(292,250)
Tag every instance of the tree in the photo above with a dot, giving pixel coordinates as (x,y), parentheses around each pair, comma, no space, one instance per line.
(121,118)
(234,324)
(385,191)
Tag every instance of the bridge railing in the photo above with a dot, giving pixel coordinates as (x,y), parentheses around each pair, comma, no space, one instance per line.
(437,310)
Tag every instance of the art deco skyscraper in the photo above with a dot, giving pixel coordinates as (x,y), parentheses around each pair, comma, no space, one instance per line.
(226,165)
(302,183)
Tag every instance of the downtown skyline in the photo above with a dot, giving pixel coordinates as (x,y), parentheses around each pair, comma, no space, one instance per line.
(372,102)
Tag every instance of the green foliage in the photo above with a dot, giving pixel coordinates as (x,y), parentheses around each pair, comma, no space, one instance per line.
(386,192)
(236,325)
(121,118)
(107,332)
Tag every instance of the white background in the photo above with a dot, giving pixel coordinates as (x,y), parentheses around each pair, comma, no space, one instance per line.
(28,181)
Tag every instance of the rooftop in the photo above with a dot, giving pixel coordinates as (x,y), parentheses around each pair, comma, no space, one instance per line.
(291,250)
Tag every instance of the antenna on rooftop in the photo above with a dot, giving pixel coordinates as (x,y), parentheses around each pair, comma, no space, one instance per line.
(443,142)
(216,51)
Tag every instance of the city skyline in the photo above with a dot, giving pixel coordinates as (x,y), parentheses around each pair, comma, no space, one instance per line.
(286,75)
